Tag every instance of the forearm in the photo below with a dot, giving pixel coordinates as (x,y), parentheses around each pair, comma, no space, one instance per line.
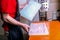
(11,20)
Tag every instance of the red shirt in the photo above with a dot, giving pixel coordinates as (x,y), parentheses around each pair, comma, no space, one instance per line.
(8,6)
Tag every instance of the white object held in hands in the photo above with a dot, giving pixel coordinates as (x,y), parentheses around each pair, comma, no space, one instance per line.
(30,10)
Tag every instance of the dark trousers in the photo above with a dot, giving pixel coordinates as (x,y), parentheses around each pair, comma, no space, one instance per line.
(15,33)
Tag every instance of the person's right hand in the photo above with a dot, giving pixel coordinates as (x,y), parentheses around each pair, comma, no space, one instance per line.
(26,27)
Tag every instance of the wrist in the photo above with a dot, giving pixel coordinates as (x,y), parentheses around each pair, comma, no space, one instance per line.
(21,24)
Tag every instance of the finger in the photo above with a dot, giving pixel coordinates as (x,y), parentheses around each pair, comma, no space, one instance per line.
(28,28)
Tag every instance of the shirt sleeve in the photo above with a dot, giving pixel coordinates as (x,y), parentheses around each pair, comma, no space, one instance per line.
(8,6)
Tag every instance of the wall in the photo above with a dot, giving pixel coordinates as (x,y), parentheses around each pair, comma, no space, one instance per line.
(52,8)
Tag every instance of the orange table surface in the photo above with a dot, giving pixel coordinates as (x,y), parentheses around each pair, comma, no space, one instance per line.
(54,32)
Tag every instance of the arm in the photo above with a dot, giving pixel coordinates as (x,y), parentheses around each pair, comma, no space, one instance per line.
(8,7)
(11,20)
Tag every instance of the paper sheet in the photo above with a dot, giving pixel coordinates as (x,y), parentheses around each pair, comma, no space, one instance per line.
(38,29)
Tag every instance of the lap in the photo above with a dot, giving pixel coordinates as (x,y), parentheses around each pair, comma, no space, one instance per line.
(15,33)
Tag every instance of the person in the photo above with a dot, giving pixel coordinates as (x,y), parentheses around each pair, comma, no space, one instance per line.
(11,19)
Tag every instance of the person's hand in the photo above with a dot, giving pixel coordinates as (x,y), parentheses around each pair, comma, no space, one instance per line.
(26,27)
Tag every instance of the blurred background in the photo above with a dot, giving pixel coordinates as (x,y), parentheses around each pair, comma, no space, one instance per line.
(50,13)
